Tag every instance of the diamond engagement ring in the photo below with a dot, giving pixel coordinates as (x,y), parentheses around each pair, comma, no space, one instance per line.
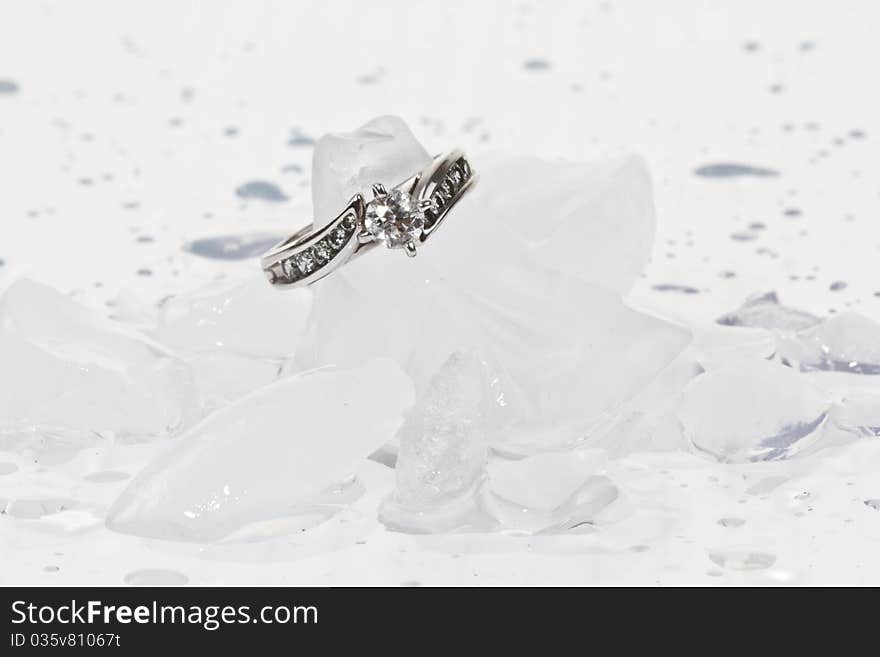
(403,217)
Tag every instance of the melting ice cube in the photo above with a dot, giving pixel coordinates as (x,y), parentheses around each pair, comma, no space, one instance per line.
(848,342)
(69,370)
(751,411)
(265,457)
(443,450)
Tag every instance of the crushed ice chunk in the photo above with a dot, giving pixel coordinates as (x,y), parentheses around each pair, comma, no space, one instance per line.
(590,220)
(443,449)
(223,377)
(548,492)
(269,456)
(751,411)
(858,415)
(67,370)
(234,335)
(443,442)
(647,421)
(543,482)
(245,317)
(383,150)
(848,342)
(537,331)
(764,311)
(715,345)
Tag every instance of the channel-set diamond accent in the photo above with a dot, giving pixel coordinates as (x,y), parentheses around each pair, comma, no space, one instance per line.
(455,179)
(309,260)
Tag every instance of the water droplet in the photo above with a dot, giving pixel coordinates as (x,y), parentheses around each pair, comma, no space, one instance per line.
(536,64)
(733,170)
(262,190)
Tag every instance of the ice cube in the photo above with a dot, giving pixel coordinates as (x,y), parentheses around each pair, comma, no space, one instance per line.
(755,410)
(383,150)
(560,353)
(648,421)
(848,342)
(68,369)
(590,220)
(222,377)
(265,457)
(442,454)
(238,316)
(234,334)
(443,443)
(858,415)
(716,345)
(578,514)
(543,482)
(554,490)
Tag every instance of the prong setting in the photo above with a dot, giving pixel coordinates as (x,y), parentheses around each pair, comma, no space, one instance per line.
(395,218)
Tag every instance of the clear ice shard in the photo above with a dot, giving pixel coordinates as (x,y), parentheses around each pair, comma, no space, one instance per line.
(442,447)
(559,347)
(848,342)
(752,411)
(233,334)
(764,311)
(265,458)
(589,220)
(381,151)
(69,371)
(857,415)
(231,316)
(647,422)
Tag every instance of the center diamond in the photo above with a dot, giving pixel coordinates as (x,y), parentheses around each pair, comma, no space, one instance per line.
(394,218)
